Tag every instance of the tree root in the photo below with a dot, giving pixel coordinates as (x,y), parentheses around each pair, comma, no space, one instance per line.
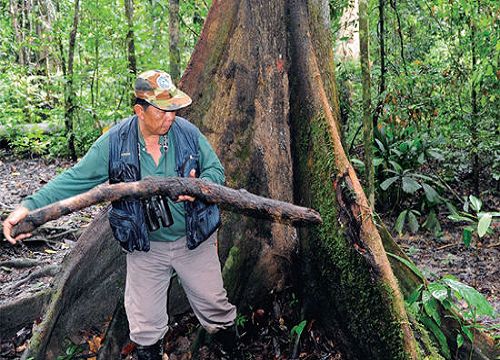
(22,312)
(20,263)
(49,270)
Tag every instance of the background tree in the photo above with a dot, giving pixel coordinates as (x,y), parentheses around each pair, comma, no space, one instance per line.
(173,28)
(364,41)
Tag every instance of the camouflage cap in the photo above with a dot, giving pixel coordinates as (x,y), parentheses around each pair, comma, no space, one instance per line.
(158,89)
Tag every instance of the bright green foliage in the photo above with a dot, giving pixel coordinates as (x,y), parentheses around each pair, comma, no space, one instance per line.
(448,292)
(426,122)
(478,222)
(34,93)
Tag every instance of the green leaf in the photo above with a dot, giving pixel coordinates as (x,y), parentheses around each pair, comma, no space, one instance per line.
(432,222)
(357,163)
(473,298)
(424,177)
(421,158)
(413,222)
(410,185)
(458,218)
(415,295)
(438,291)
(460,341)
(298,329)
(467,236)
(409,264)
(465,329)
(483,224)
(385,185)
(380,145)
(431,306)
(400,222)
(475,203)
(438,334)
(436,154)
(377,162)
(396,166)
(431,194)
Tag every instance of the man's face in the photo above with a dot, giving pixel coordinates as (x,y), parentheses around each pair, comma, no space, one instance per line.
(155,121)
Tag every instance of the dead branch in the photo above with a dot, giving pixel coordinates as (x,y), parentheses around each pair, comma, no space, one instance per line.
(240,201)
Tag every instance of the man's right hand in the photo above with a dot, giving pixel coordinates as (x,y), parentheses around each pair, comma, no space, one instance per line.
(13,219)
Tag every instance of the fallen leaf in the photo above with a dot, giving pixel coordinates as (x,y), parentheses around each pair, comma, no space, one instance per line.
(22,347)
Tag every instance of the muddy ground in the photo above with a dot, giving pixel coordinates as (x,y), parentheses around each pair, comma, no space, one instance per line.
(42,254)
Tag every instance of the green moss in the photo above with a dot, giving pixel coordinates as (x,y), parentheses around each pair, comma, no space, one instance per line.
(231,272)
(351,296)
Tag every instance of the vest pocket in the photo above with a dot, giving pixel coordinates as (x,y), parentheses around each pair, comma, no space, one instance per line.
(208,221)
(123,226)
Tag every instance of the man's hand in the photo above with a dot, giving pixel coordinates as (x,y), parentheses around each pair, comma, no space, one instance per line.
(192,174)
(14,218)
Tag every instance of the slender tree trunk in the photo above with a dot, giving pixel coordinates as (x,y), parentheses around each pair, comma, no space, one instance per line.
(381,89)
(132,62)
(70,95)
(173,30)
(474,119)
(94,91)
(13,9)
(364,41)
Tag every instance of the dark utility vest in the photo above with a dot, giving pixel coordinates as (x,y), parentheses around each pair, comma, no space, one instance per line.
(126,217)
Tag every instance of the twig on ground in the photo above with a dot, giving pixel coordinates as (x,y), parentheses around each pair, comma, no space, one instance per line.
(448,246)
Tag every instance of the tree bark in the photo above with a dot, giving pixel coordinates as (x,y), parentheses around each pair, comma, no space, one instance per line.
(364,41)
(13,9)
(474,119)
(383,70)
(129,13)
(173,30)
(132,62)
(70,94)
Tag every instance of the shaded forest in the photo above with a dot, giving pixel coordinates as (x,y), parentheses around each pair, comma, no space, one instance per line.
(406,92)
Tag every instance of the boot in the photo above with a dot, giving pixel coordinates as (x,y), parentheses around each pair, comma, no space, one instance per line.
(150,352)
(229,341)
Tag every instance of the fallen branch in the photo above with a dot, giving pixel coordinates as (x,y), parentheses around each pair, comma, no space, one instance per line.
(240,201)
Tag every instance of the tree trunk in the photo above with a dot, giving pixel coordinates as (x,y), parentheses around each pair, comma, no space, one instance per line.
(132,62)
(474,119)
(364,41)
(383,70)
(173,30)
(70,94)
(13,9)
(129,12)
(263,87)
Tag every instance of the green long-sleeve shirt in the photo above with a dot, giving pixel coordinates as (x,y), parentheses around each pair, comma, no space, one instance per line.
(92,170)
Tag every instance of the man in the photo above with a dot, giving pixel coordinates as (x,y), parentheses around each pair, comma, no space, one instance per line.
(160,236)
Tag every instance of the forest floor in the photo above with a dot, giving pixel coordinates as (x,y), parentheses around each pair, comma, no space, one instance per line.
(28,268)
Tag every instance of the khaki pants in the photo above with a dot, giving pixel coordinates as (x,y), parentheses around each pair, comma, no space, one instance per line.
(148,279)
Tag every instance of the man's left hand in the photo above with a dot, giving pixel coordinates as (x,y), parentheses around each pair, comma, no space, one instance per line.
(192,174)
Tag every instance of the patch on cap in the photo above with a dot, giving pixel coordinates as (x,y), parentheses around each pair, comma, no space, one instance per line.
(158,89)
